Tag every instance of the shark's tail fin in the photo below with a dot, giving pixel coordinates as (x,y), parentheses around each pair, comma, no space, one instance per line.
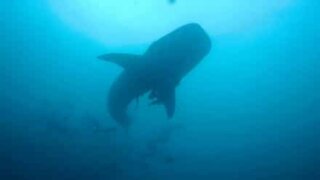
(122,91)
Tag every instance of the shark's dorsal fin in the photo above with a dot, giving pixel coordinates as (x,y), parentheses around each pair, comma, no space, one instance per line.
(127,61)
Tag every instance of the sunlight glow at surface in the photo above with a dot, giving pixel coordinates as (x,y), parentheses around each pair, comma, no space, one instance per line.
(116,22)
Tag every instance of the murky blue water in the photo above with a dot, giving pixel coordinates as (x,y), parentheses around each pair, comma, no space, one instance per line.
(249,110)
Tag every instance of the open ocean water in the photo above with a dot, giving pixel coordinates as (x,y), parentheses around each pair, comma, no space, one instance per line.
(249,111)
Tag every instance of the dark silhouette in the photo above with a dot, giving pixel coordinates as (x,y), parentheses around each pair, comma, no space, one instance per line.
(158,71)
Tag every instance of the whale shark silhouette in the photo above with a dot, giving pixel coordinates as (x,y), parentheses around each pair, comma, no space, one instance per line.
(158,71)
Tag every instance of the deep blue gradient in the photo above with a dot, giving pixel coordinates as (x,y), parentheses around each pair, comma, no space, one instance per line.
(250,110)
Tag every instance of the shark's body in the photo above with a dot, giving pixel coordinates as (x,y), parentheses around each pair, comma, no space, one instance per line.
(158,71)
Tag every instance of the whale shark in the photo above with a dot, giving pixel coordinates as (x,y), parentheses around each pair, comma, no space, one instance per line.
(158,71)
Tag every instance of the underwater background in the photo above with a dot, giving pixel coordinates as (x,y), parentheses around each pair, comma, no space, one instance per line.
(249,110)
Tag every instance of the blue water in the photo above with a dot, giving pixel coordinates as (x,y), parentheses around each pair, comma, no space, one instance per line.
(249,110)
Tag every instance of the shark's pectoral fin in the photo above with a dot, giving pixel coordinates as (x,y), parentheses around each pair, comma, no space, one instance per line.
(164,93)
(127,61)
(170,103)
(167,97)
